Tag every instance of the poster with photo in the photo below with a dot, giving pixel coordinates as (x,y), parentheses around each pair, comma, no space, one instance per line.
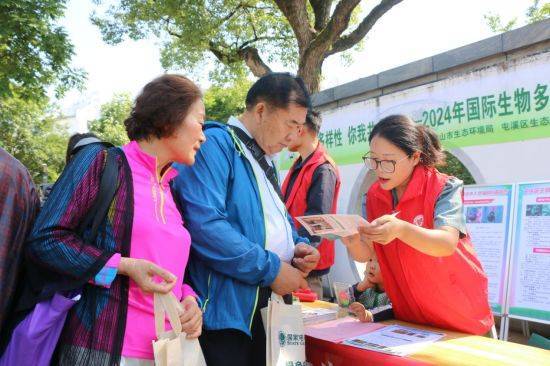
(488,211)
(529,293)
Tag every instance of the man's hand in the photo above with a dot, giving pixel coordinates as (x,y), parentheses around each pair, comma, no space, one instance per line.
(289,279)
(305,258)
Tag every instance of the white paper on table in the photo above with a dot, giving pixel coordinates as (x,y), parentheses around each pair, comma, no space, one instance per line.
(395,340)
(332,226)
(341,329)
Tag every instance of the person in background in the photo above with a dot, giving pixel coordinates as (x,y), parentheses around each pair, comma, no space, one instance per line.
(311,187)
(142,247)
(76,143)
(371,302)
(417,228)
(19,205)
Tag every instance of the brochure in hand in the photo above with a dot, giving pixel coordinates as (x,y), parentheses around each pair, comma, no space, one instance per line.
(332,226)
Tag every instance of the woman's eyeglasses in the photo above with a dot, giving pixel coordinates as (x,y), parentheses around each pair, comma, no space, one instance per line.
(387,166)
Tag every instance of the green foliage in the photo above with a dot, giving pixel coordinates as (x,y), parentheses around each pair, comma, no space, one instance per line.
(110,124)
(455,168)
(35,52)
(536,12)
(35,55)
(192,31)
(495,23)
(221,102)
(32,133)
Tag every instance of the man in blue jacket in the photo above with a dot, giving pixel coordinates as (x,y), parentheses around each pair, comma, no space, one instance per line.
(244,244)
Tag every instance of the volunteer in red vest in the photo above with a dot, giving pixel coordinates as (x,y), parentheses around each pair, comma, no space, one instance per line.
(417,229)
(311,188)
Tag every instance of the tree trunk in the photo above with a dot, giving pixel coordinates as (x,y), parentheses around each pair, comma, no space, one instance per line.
(310,68)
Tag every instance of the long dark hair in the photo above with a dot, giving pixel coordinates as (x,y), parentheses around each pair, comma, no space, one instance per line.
(410,137)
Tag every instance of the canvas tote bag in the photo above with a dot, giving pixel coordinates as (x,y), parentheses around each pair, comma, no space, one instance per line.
(285,337)
(172,348)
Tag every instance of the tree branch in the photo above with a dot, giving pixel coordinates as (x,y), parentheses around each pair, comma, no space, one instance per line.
(246,7)
(350,40)
(295,11)
(225,57)
(248,54)
(252,24)
(266,38)
(321,9)
(254,62)
(231,13)
(167,22)
(338,23)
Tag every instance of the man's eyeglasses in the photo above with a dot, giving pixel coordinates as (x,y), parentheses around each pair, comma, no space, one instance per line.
(387,166)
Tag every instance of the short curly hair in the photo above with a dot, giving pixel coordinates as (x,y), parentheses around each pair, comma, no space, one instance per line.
(161,107)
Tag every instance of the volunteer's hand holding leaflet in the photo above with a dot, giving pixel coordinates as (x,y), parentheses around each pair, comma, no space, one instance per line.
(383,230)
(360,245)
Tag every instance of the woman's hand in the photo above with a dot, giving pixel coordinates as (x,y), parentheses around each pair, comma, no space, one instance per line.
(351,240)
(191,318)
(383,230)
(143,273)
(360,312)
(359,247)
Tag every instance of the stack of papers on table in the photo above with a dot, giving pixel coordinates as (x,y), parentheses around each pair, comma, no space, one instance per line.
(312,315)
(395,340)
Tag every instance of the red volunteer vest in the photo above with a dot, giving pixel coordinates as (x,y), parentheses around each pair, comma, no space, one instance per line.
(296,203)
(446,292)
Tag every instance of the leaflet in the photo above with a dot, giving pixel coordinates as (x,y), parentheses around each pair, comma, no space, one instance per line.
(395,340)
(332,226)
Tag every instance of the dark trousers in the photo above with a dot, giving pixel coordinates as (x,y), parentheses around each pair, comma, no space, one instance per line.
(228,347)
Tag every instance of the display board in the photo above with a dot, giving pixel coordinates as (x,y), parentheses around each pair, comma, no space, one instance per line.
(489,211)
(529,291)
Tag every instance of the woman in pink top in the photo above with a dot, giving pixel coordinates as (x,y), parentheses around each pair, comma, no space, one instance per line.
(142,247)
(158,234)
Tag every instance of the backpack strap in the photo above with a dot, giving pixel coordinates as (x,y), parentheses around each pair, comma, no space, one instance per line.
(259,156)
(107,189)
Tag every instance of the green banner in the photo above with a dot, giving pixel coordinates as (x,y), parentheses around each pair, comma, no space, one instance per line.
(503,116)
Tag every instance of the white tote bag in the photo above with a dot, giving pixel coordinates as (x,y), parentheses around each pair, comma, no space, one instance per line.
(285,337)
(171,347)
